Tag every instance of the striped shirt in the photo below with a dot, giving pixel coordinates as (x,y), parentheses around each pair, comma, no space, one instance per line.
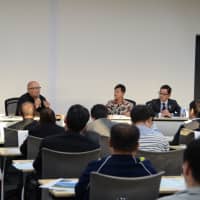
(152,140)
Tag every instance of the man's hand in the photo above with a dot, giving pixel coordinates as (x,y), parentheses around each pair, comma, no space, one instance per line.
(37,103)
(166,113)
(46,104)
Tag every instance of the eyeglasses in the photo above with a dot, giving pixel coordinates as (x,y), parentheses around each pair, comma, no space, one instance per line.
(34,88)
(164,94)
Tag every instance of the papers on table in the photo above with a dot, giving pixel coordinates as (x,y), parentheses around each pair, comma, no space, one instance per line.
(172,184)
(22,135)
(61,184)
(23,165)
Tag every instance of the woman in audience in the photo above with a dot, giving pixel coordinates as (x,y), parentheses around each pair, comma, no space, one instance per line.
(193,123)
(47,127)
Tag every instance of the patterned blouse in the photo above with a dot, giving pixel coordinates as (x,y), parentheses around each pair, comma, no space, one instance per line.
(119,109)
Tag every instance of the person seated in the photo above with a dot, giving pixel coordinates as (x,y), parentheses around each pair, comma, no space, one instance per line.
(28,113)
(100,124)
(46,127)
(123,161)
(150,139)
(164,106)
(119,106)
(191,173)
(193,123)
(72,140)
(33,95)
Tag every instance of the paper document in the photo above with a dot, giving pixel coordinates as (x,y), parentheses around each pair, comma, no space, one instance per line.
(172,184)
(22,135)
(24,165)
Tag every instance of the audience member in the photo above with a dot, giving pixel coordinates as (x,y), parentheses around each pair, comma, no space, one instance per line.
(123,161)
(27,112)
(100,124)
(119,106)
(33,95)
(72,140)
(164,106)
(150,139)
(191,173)
(194,121)
(46,127)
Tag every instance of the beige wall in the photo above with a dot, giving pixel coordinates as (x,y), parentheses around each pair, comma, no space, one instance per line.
(79,49)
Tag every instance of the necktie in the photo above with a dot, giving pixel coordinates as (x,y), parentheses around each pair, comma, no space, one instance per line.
(163,106)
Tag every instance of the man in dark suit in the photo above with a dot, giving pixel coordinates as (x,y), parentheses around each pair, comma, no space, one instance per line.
(33,95)
(123,161)
(164,106)
(73,140)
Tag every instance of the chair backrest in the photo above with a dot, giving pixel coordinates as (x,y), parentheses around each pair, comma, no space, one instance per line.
(104,144)
(33,146)
(170,161)
(186,136)
(65,164)
(131,101)
(11,106)
(10,137)
(122,188)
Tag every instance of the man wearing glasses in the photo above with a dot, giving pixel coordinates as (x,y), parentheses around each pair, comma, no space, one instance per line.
(164,106)
(33,95)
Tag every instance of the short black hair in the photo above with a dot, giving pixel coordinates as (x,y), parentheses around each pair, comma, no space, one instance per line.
(121,86)
(124,137)
(99,111)
(192,156)
(77,117)
(141,113)
(47,115)
(166,87)
(195,105)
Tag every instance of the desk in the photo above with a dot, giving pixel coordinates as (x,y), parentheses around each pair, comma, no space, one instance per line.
(167,126)
(168,185)
(4,153)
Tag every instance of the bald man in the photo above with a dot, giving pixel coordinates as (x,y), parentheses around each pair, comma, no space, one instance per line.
(33,95)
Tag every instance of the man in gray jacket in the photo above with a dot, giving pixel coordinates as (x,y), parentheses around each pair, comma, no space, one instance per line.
(191,173)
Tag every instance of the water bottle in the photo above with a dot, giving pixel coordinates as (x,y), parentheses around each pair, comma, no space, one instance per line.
(183,113)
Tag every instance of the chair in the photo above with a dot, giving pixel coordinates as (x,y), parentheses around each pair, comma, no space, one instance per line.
(56,164)
(122,188)
(131,101)
(186,136)
(11,106)
(170,161)
(104,144)
(10,137)
(33,146)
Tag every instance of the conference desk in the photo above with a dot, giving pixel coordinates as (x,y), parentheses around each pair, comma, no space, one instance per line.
(168,185)
(167,126)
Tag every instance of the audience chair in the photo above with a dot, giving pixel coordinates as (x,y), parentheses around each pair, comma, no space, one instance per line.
(105,148)
(57,164)
(122,188)
(11,106)
(131,101)
(33,146)
(10,137)
(186,136)
(170,161)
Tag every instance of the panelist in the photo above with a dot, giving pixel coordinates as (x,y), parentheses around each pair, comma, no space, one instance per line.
(119,106)
(33,95)
(164,106)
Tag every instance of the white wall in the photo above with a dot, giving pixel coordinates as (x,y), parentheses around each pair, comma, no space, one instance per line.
(79,49)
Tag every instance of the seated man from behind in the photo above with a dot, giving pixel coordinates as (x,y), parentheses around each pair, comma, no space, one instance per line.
(194,121)
(191,173)
(72,140)
(100,124)
(150,139)
(164,106)
(46,127)
(123,161)
(33,95)
(119,106)
(27,111)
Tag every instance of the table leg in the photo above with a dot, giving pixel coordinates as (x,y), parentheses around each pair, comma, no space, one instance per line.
(2,176)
